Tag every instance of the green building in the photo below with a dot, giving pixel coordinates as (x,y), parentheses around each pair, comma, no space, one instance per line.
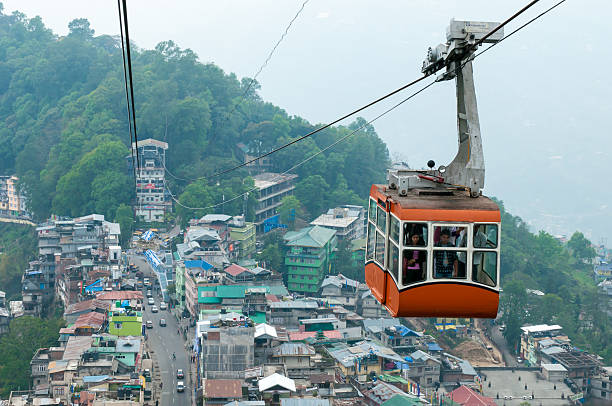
(243,233)
(309,256)
(122,325)
(179,285)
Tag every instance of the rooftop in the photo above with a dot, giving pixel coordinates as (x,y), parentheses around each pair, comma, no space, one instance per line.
(279,380)
(554,367)
(540,328)
(267,179)
(223,388)
(315,236)
(294,349)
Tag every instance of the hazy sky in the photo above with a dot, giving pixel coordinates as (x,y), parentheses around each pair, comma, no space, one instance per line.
(543,95)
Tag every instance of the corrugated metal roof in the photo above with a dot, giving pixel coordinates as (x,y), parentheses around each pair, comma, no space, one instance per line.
(294,349)
(276,380)
(265,329)
(235,270)
(295,304)
(304,402)
(315,236)
(231,291)
(223,388)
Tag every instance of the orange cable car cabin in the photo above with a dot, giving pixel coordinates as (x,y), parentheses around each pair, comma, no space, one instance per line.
(433,239)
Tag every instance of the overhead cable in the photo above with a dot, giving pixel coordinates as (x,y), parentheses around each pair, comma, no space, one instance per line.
(127,94)
(338,141)
(231,169)
(371,121)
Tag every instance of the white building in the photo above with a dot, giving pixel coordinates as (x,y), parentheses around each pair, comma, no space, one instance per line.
(152,200)
(347,221)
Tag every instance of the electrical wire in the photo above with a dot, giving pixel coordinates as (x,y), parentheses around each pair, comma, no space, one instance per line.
(313,132)
(128,56)
(231,169)
(371,121)
(338,141)
(127,95)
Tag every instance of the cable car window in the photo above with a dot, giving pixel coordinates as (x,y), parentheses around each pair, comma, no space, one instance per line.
(414,266)
(371,241)
(395,229)
(455,236)
(394,261)
(484,267)
(485,236)
(372,211)
(415,234)
(381,220)
(380,248)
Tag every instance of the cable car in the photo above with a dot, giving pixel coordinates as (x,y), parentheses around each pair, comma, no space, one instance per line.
(433,239)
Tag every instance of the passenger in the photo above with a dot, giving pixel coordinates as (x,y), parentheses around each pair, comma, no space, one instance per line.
(461,242)
(445,262)
(414,261)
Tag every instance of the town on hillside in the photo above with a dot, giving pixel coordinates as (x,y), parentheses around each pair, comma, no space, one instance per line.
(190,316)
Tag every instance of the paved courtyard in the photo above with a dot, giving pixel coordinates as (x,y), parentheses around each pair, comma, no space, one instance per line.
(507,383)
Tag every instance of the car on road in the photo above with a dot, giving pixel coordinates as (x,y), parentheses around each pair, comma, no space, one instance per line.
(162,322)
(151,301)
(147,282)
(180,374)
(180,386)
(149,293)
(154,309)
(163,306)
(149,324)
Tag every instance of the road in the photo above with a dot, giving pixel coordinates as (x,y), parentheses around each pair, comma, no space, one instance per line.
(500,342)
(164,341)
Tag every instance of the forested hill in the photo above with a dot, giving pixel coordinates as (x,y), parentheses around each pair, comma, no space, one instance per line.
(64,128)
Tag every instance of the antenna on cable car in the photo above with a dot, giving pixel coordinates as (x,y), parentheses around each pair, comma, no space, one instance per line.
(467,170)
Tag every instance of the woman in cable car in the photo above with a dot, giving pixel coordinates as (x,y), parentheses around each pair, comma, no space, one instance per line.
(432,237)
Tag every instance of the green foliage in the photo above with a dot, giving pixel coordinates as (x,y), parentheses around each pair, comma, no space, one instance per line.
(18,245)
(541,262)
(26,334)
(581,247)
(289,210)
(63,112)
(125,217)
(273,253)
(344,264)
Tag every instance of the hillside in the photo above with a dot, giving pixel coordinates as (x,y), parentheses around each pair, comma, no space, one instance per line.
(64,125)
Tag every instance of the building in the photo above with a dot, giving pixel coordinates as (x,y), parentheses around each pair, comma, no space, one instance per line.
(222,391)
(580,366)
(5,314)
(424,369)
(465,396)
(309,257)
(347,222)
(227,349)
(272,187)
(153,200)
(530,338)
(343,290)
(369,307)
(553,372)
(289,313)
(12,199)
(601,385)
(242,233)
(125,324)
(296,357)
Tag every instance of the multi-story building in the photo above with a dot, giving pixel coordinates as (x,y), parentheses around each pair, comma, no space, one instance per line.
(38,286)
(273,187)
(601,385)
(347,222)
(242,235)
(309,257)
(153,200)
(12,200)
(227,351)
(532,335)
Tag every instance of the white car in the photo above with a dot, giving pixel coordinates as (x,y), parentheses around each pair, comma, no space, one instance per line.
(151,301)
(163,306)
(180,386)
(154,309)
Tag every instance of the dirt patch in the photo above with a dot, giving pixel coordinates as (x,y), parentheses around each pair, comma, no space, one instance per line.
(475,353)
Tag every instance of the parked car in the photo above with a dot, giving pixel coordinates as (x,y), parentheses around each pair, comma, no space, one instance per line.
(180,374)
(180,386)
(163,306)
(154,309)
(162,322)
(149,324)
(151,301)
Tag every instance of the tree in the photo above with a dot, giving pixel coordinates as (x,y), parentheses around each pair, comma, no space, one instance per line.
(581,247)
(289,210)
(26,334)
(80,28)
(311,192)
(124,215)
